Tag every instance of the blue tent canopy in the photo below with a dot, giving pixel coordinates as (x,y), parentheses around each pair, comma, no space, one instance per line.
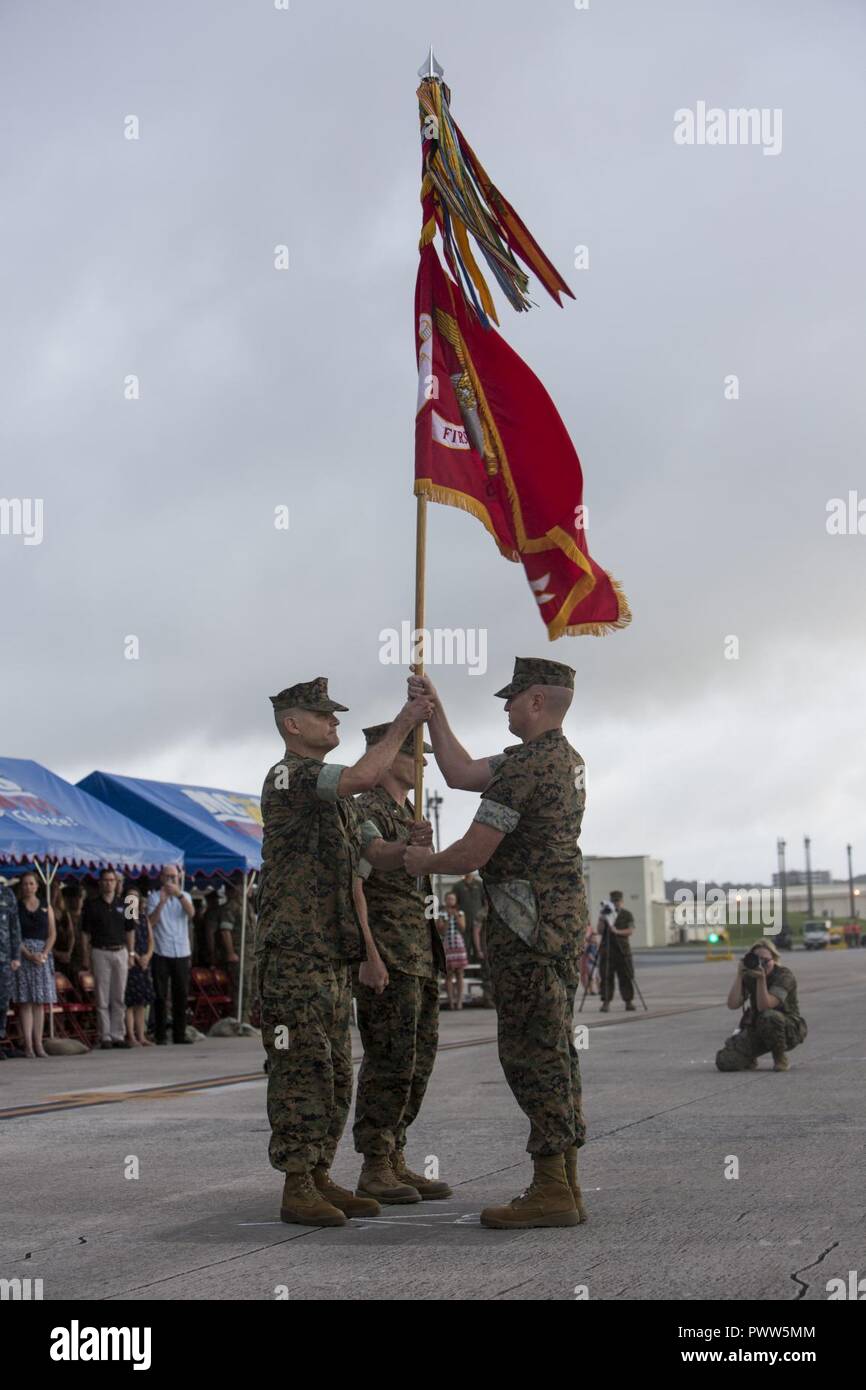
(219,831)
(43,817)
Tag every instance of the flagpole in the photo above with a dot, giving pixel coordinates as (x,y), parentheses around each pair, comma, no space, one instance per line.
(429,68)
(418,641)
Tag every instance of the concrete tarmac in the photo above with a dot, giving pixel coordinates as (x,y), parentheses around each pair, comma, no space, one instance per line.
(200,1221)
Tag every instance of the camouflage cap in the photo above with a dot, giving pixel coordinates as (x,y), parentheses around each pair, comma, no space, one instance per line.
(307,695)
(378,731)
(535,670)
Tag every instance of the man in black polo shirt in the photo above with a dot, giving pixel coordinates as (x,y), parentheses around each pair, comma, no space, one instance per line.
(111,942)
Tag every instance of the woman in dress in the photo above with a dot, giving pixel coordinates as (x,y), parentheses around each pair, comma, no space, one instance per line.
(64,925)
(33,984)
(139,984)
(453,928)
(73,897)
(589,960)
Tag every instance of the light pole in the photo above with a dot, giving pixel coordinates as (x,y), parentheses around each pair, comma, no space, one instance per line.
(851,910)
(808,843)
(783,880)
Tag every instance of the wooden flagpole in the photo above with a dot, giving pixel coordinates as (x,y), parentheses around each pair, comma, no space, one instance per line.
(430,68)
(418,642)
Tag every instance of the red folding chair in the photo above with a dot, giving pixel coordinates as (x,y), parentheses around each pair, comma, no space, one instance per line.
(204,1011)
(72,1009)
(222,991)
(13,1031)
(87,995)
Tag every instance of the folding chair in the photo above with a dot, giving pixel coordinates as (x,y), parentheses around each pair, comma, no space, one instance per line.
(87,995)
(72,1008)
(222,991)
(12,1041)
(204,1010)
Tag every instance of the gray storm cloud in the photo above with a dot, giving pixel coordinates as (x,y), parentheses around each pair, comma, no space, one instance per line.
(261,388)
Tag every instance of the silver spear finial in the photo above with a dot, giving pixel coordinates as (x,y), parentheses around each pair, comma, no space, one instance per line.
(430,67)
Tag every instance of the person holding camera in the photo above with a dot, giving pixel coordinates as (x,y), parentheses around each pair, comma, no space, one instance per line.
(615,965)
(170,913)
(771,1021)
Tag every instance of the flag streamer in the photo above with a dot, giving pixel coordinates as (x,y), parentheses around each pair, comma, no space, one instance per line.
(465,202)
(488,438)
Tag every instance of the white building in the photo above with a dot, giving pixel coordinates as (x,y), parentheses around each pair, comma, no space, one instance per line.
(828,899)
(641,880)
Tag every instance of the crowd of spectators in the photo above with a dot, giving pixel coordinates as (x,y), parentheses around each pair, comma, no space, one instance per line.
(130,944)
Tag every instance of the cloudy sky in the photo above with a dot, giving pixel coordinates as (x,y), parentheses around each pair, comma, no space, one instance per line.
(260,388)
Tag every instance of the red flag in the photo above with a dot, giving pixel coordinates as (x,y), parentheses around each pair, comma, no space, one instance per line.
(488,439)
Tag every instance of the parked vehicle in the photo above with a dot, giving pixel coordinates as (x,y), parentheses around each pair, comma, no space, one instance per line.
(783,938)
(816,935)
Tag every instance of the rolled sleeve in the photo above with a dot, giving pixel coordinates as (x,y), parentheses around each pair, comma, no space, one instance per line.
(328,781)
(510,791)
(370,831)
(365,868)
(497,816)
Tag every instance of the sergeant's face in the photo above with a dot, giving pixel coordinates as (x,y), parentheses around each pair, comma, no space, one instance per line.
(403,767)
(318,729)
(517,709)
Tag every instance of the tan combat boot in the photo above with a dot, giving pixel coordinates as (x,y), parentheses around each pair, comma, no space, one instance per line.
(547,1201)
(780,1061)
(571,1174)
(303,1205)
(341,1198)
(379,1180)
(431,1189)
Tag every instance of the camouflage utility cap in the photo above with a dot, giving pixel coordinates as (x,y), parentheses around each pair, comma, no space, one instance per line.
(307,695)
(535,670)
(377,732)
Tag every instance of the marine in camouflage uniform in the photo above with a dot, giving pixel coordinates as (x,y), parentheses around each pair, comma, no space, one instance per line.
(615,963)
(10,949)
(776,1030)
(400,1027)
(537,913)
(310,931)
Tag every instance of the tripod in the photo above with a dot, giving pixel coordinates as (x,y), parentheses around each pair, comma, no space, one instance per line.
(605,950)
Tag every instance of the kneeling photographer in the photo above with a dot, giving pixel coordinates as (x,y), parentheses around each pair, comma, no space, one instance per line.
(771,1022)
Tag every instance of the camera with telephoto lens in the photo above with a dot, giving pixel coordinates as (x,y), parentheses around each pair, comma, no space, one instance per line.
(752,961)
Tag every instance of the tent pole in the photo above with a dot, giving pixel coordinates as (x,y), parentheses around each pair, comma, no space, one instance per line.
(47,876)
